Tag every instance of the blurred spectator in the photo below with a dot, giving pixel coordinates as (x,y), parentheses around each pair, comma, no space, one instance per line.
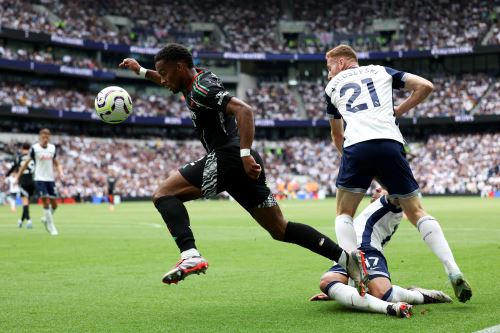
(272,101)
(254,26)
(445,164)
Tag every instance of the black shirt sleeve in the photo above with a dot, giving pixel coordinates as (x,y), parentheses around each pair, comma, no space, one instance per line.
(15,166)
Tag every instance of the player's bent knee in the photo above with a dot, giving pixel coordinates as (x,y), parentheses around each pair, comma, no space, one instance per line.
(159,192)
(379,287)
(328,278)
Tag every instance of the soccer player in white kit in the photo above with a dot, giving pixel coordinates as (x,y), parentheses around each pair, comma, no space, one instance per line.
(44,155)
(13,192)
(371,146)
(375,226)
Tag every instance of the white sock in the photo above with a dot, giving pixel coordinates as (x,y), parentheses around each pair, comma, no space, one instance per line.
(190,253)
(344,230)
(50,221)
(404,295)
(48,214)
(349,297)
(432,234)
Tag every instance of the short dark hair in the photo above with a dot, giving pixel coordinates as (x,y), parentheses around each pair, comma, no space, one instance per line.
(44,131)
(26,145)
(175,52)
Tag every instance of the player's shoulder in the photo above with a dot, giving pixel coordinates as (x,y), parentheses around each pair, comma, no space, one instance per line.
(210,81)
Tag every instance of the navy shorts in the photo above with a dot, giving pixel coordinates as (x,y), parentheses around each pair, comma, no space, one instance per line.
(46,189)
(375,264)
(383,160)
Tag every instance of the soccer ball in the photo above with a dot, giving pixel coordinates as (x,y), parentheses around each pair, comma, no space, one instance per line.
(113,105)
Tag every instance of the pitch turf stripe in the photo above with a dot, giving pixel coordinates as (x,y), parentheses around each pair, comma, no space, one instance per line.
(492,329)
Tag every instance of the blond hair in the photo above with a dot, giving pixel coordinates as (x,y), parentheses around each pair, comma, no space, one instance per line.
(342,51)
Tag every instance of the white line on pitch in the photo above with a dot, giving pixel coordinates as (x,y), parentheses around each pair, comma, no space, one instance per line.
(492,329)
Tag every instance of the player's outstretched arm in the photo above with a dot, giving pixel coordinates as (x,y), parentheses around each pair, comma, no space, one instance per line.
(337,132)
(420,88)
(133,65)
(244,118)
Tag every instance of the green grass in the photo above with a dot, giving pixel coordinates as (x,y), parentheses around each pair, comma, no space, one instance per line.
(102,273)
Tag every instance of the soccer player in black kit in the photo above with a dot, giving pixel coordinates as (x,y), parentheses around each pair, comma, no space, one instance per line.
(25,183)
(111,182)
(225,127)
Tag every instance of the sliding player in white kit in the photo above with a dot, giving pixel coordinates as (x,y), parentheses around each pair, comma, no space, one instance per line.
(44,155)
(371,146)
(374,227)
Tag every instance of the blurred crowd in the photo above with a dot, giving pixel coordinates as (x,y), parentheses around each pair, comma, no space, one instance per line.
(255,26)
(273,101)
(453,96)
(83,101)
(47,56)
(444,164)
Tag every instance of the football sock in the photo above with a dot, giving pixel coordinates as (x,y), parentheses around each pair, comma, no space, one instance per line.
(190,253)
(12,203)
(176,218)
(344,230)
(404,295)
(26,213)
(349,297)
(50,221)
(433,236)
(308,237)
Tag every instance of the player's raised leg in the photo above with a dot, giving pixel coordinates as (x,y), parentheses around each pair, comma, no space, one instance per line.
(271,219)
(433,236)
(168,199)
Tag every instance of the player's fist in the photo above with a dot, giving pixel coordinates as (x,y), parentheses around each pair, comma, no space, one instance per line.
(252,168)
(130,63)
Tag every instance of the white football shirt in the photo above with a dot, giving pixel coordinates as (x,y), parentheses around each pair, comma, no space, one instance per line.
(44,162)
(362,96)
(376,224)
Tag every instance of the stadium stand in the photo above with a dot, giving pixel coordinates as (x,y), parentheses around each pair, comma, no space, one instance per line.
(443,164)
(453,96)
(431,25)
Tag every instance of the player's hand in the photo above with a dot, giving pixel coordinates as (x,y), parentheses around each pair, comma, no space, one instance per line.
(320,297)
(378,193)
(252,168)
(130,63)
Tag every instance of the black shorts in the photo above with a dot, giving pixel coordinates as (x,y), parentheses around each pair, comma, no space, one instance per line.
(111,191)
(222,170)
(27,187)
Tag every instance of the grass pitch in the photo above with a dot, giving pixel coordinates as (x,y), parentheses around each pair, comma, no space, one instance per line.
(102,273)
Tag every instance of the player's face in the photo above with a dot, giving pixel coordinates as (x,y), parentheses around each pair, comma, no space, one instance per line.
(334,67)
(170,73)
(44,138)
